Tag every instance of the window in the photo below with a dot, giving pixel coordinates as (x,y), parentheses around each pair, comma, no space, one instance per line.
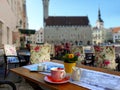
(115,36)
(1,24)
(8,35)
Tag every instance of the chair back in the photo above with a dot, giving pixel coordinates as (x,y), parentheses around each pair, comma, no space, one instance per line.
(89,55)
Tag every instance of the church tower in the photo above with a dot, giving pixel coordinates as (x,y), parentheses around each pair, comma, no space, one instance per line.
(100,22)
(45,10)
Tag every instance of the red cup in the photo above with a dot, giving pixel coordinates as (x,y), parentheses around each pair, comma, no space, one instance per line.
(58,74)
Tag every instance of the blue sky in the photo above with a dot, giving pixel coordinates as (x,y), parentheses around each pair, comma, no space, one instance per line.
(110,12)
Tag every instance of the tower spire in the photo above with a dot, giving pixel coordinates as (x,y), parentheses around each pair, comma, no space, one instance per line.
(99,16)
(100,22)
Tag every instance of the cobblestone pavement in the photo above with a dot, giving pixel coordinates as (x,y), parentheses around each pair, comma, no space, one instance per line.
(20,83)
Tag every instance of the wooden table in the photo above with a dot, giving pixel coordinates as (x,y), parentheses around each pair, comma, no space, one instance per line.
(38,78)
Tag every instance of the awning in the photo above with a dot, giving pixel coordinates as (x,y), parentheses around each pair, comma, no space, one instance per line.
(27,31)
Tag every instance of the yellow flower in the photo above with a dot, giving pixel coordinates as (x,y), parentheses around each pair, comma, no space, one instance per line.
(70,58)
(70,55)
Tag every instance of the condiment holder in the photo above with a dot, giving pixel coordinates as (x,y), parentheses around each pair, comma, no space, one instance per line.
(76,74)
(41,67)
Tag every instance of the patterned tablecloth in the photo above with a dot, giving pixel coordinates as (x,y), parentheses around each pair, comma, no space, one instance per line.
(90,79)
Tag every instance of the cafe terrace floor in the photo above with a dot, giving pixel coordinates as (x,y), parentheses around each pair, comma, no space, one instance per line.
(19,82)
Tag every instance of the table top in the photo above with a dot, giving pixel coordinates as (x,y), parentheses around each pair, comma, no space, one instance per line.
(38,78)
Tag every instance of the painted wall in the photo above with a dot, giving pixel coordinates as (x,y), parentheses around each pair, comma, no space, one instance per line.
(8,18)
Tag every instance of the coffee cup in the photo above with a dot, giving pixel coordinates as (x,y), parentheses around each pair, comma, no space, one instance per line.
(58,74)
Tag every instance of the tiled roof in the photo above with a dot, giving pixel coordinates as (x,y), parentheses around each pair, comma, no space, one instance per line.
(67,21)
(115,30)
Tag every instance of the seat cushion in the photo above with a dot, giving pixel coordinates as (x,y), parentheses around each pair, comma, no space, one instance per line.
(12,60)
(10,50)
(40,53)
(105,57)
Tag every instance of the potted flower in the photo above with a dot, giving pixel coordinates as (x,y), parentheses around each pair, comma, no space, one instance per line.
(69,62)
(70,58)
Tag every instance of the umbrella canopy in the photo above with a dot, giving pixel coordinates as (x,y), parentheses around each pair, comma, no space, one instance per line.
(27,31)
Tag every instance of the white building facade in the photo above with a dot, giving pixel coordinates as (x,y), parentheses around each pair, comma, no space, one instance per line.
(98,36)
(101,35)
(81,34)
(66,28)
(116,35)
(109,36)
(39,36)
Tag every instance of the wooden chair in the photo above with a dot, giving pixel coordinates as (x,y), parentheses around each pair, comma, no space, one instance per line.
(11,57)
(5,82)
